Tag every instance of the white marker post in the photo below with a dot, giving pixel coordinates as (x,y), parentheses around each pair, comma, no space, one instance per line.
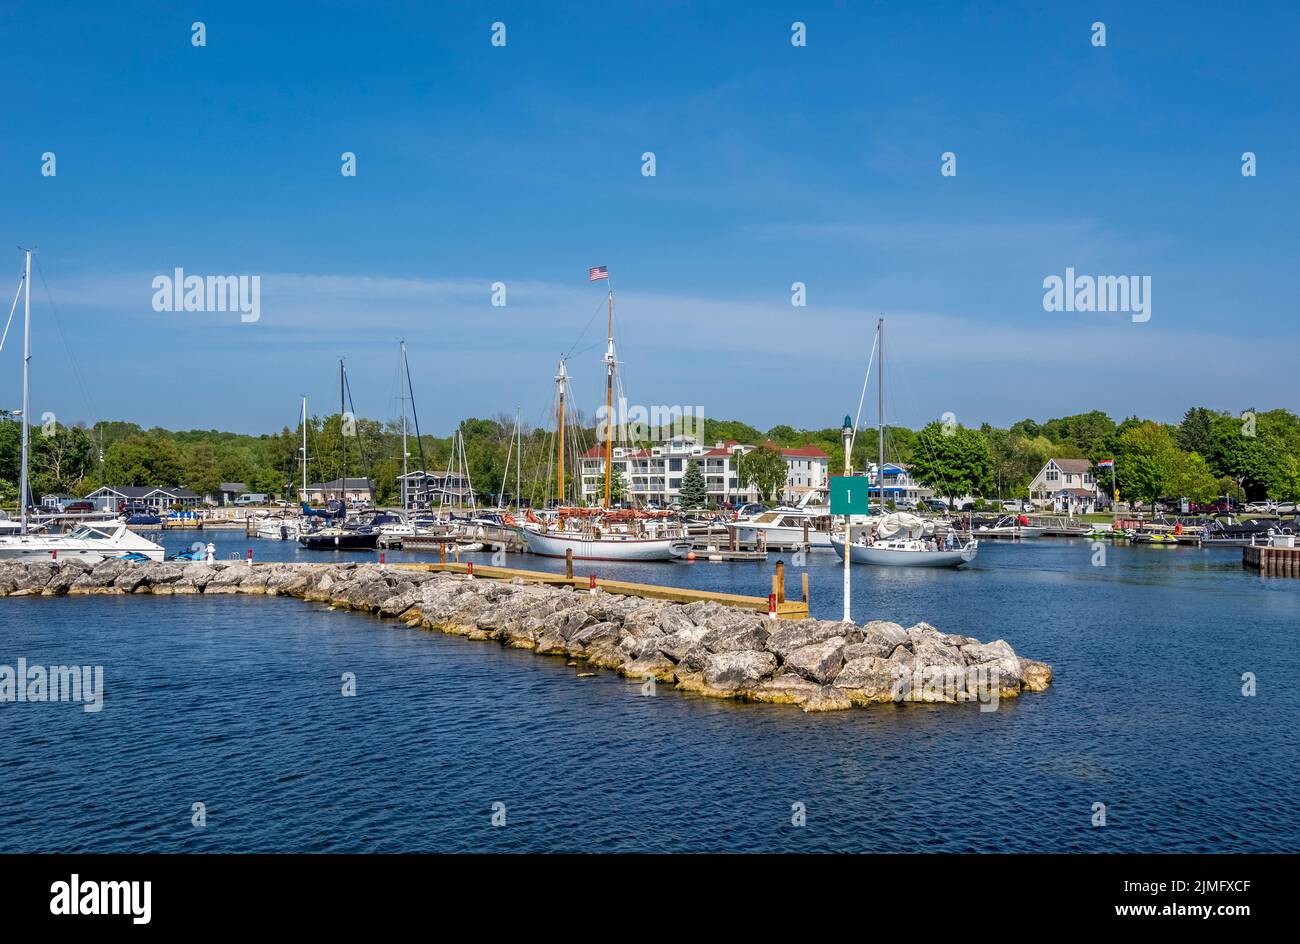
(848,528)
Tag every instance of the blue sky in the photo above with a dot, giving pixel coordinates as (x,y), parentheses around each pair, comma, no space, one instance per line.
(775,164)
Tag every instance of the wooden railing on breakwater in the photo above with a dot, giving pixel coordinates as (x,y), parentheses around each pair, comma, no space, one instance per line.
(773,603)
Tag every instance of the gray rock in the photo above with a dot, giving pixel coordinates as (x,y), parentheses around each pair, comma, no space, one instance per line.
(819,662)
(673,619)
(737,635)
(870,680)
(730,671)
(674,645)
(788,637)
(999,655)
(885,635)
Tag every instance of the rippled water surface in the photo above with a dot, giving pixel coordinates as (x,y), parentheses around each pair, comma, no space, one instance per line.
(235,702)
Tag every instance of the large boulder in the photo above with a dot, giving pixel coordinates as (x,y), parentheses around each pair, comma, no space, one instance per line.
(63,581)
(735,630)
(870,680)
(730,671)
(226,579)
(788,637)
(879,638)
(819,662)
(34,577)
(999,656)
(674,645)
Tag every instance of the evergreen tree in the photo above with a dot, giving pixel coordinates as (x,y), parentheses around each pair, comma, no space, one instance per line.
(694,489)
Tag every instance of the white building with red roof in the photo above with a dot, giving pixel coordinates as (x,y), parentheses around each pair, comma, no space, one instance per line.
(654,473)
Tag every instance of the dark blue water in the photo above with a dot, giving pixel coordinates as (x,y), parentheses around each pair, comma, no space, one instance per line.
(235,702)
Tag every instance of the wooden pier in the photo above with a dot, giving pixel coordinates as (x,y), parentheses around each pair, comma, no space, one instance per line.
(774,604)
(1273,561)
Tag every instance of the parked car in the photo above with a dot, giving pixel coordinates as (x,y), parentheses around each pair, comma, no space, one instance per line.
(935,504)
(252,498)
(77,508)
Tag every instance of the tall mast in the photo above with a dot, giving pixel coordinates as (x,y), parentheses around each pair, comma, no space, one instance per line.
(24,486)
(303,496)
(609,398)
(560,380)
(343,437)
(519,459)
(880,378)
(405,454)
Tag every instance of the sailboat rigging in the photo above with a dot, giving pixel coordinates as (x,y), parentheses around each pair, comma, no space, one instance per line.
(899,539)
(599,533)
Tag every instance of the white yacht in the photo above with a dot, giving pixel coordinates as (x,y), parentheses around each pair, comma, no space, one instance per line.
(90,543)
(785,527)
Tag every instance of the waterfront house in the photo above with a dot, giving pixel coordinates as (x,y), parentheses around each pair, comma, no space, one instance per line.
(355,490)
(114,498)
(172,497)
(55,501)
(227,492)
(1066,486)
(425,489)
(654,473)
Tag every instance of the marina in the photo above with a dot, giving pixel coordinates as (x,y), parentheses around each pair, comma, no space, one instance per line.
(1044,597)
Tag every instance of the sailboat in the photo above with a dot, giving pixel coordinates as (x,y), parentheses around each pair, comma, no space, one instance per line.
(284,528)
(90,543)
(349,536)
(899,540)
(603,534)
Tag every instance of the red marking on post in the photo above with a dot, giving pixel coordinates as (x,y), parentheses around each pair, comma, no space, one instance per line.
(250,555)
(381,557)
(591,582)
(54,554)
(771,604)
(470,565)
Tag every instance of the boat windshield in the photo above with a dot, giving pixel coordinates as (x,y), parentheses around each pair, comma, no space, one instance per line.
(85,533)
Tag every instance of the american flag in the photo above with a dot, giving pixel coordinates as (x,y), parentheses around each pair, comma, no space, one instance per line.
(596,273)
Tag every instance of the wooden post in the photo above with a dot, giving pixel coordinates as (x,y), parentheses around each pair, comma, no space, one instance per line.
(778,582)
(442,552)
(568,563)
(805,588)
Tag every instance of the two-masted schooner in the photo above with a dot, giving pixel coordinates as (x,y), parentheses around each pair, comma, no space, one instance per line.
(603,533)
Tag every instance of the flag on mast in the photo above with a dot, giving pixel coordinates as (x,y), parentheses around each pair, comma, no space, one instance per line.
(596,273)
(1105,463)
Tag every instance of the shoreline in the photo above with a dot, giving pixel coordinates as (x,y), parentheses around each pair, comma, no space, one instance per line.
(704,647)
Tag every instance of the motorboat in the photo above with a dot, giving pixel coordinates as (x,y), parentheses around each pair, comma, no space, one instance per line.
(1013,527)
(786,527)
(279,529)
(1232,533)
(90,543)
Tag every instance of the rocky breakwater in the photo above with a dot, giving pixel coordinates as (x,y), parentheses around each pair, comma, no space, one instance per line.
(702,647)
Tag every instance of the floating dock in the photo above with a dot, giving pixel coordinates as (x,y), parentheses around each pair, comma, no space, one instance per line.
(1272,561)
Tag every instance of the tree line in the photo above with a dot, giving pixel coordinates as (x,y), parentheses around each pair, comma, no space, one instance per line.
(1251,455)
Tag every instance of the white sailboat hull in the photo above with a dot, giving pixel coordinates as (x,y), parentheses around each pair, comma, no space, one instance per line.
(558,543)
(905,554)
